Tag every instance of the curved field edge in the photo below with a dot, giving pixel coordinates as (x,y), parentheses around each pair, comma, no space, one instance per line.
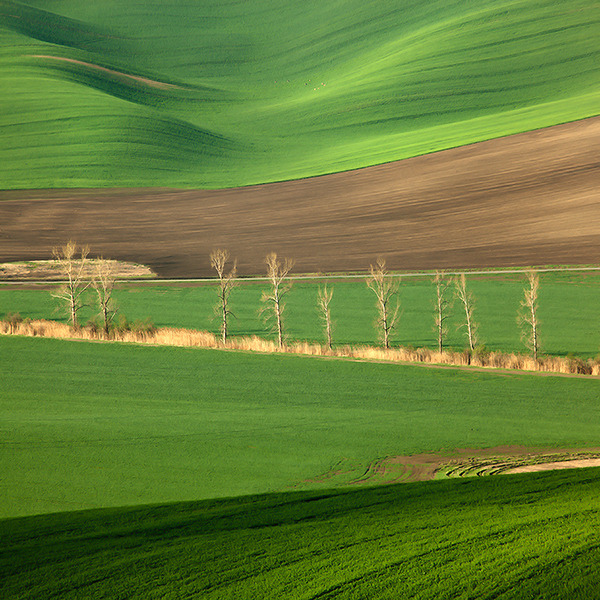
(520,536)
(519,200)
(210,95)
(95,425)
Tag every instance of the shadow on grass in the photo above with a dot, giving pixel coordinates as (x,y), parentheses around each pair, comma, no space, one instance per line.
(516,536)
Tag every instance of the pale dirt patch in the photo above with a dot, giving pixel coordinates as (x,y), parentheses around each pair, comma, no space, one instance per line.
(151,82)
(551,466)
(49,270)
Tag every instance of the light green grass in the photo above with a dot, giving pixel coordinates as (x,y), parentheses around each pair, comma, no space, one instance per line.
(518,537)
(400,79)
(87,425)
(569,309)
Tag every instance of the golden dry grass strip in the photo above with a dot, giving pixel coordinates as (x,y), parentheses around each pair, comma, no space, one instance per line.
(175,336)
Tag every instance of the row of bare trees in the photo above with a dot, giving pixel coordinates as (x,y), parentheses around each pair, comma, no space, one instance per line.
(100,274)
(385,286)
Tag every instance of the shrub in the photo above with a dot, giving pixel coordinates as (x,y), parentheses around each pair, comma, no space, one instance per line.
(121,324)
(13,320)
(481,354)
(93,327)
(146,326)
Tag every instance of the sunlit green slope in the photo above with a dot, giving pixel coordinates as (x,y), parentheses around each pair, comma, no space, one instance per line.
(87,425)
(212,94)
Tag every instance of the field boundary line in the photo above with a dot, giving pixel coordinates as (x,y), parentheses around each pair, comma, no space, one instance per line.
(191,338)
(317,277)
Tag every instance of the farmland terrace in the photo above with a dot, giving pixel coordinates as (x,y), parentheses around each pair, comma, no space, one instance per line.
(525,199)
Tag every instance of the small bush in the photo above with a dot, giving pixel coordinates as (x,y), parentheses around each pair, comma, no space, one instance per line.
(93,326)
(143,327)
(577,365)
(481,353)
(13,320)
(466,355)
(121,324)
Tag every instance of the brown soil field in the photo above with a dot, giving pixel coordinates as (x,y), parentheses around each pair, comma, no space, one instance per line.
(528,199)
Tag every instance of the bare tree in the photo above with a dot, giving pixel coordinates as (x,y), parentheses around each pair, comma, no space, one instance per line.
(466,297)
(442,305)
(104,277)
(385,288)
(527,317)
(324,296)
(73,268)
(274,307)
(227,281)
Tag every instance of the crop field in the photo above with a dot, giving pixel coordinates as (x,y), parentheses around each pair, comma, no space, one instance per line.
(442,134)
(207,94)
(139,472)
(89,425)
(569,308)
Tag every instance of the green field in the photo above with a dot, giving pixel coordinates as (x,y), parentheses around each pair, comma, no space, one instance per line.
(520,537)
(569,308)
(132,471)
(213,94)
(88,425)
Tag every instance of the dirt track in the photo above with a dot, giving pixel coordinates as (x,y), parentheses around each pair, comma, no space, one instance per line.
(532,198)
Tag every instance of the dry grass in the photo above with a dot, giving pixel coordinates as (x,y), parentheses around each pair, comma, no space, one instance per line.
(171,336)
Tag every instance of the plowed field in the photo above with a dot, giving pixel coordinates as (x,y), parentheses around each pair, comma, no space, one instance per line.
(526,199)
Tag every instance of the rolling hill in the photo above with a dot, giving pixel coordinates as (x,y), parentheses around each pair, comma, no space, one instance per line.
(211,94)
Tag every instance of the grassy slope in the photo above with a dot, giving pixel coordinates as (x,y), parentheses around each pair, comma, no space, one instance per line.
(569,305)
(521,537)
(401,78)
(95,425)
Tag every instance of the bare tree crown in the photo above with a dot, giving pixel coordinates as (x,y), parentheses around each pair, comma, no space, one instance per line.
(227,281)
(103,280)
(442,304)
(466,298)
(527,317)
(72,264)
(385,289)
(277,272)
(324,296)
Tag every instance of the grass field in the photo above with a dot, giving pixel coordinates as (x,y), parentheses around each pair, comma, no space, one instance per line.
(520,537)
(131,471)
(207,94)
(569,306)
(88,425)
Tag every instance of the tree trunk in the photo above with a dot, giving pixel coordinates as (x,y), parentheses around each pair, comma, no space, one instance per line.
(224,322)
(73,313)
(279,326)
